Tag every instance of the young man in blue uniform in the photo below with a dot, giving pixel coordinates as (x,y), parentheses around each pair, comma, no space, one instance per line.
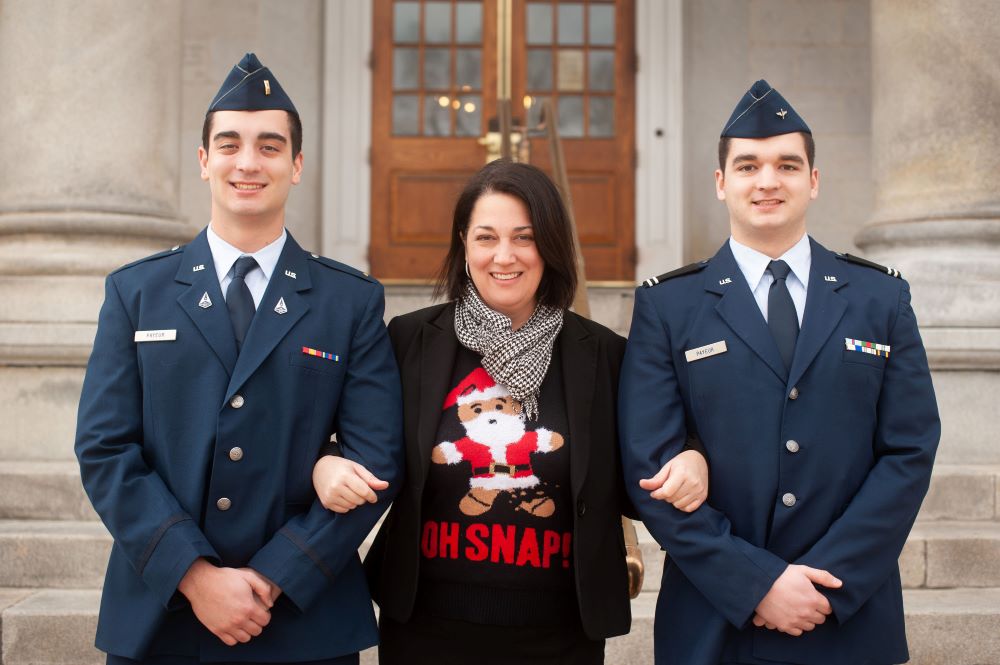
(803,373)
(219,371)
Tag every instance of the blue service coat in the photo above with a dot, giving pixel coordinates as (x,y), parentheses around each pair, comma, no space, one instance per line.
(158,424)
(849,436)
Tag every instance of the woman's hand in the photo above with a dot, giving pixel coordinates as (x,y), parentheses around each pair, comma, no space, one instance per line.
(343,485)
(682,482)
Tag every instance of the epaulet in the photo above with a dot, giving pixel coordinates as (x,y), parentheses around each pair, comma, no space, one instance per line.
(892,272)
(690,268)
(342,267)
(153,257)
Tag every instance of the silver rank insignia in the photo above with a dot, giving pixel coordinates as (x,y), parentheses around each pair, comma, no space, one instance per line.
(781,113)
(289,273)
(280,307)
(205,301)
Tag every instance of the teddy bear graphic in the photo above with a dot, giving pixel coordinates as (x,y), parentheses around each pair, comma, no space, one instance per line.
(497,446)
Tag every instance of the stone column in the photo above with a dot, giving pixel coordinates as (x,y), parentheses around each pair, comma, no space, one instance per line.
(935,132)
(88,181)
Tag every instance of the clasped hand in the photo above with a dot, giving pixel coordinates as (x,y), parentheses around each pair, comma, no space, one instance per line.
(682,482)
(233,603)
(342,484)
(794,605)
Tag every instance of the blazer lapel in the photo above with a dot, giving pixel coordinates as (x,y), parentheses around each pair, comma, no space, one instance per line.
(279,309)
(438,347)
(739,309)
(578,353)
(824,309)
(203,302)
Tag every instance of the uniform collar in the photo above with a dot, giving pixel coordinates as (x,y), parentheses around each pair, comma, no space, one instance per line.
(224,255)
(753,264)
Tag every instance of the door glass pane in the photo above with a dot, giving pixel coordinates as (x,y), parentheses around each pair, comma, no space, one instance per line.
(404,115)
(469,23)
(570,70)
(602,70)
(404,68)
(539,69)
(571,23)
(571,116)
(437,68)
(468,115)
(406,22)
(602,116)
(602,25)
(437,118)
(469,69)
(534,105)
(539,23)
(437,22)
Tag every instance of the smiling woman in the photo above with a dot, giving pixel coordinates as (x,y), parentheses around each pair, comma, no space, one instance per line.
(511,431)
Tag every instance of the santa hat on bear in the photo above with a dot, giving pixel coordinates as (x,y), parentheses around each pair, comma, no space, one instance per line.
(476,387)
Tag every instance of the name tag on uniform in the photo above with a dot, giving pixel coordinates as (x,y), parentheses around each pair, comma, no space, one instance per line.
(155,335)
(713,349)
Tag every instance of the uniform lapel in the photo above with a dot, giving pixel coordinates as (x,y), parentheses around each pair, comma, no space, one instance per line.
(739,309)
(279,310)
(438,346)
(209,314)
(578,353)
(824,309)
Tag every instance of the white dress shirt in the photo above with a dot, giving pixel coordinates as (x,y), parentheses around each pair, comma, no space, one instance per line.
(224,255)
(753,265)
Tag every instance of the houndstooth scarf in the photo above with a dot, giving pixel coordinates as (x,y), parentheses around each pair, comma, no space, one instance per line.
(518,359)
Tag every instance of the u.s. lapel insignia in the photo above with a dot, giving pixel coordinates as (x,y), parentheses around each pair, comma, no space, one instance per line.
(205,301)
(280,307)
(198,268)
(289,273)
(727,280)
(829,278)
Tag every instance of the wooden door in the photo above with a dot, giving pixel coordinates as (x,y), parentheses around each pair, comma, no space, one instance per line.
(434,92)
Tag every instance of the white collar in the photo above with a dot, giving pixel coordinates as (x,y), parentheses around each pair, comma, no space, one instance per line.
(224,255)
(753,264)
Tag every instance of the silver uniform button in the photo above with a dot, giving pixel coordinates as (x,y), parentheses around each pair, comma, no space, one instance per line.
(237,401)
(788,499)
(223,504)
(236,453)
(791,446)
(794,393)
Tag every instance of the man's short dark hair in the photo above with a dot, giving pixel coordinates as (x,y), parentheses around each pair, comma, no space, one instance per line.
(294,131)
(549,221)
(807,138)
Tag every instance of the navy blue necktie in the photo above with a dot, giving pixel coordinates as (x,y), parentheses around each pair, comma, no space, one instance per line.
(238,299)
(781,316)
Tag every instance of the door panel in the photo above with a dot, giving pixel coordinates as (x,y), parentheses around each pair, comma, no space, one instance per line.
(434,91)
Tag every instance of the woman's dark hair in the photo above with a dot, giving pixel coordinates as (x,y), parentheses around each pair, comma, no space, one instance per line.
(549,221)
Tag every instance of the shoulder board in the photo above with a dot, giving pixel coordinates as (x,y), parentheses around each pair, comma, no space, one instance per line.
(892,272)
(690,268)
(153,257)
(342,267)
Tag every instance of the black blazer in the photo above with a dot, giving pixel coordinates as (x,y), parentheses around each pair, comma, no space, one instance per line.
(426,346)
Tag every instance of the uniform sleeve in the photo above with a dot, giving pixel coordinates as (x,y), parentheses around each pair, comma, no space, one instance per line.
(308,552)
(862,547)
(731,573)
(148,524)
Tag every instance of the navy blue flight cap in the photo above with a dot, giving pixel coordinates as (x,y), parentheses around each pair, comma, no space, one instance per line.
(762,113)
(251,87)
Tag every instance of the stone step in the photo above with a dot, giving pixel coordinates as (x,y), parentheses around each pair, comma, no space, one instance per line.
(945,626)
(51,490)
(943,554)
(39,553)
(952,554)
(44,491)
